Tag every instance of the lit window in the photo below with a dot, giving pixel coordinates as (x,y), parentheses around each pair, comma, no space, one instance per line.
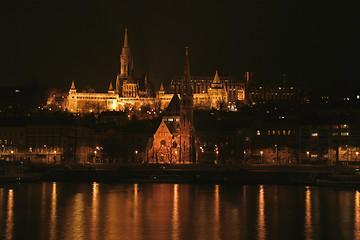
(258,132)
(315,134)
(335,134)
(344,126)
(345,134)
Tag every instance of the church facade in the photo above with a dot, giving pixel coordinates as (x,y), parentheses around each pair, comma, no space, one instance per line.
(132,93)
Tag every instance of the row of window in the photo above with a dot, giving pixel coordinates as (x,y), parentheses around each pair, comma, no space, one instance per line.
(277,132)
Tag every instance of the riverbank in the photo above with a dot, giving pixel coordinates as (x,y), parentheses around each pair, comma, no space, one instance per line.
(136,173)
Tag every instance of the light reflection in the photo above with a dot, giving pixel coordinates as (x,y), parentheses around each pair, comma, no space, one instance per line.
(78,218)
(53,212)
(308,218)
(175,214)
(261,215)
(217,213)
(357,216)
(10,216)
(136,223)
(95,210)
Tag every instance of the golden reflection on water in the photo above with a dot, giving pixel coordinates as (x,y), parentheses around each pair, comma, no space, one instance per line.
(217,214)
(175,214)
(309,231)
(10,216)
(95,210)
(77,222)
(53,215)
(136,222)
(261,226)
(357,216)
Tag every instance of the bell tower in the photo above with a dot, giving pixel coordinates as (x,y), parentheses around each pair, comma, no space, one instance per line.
(187,143)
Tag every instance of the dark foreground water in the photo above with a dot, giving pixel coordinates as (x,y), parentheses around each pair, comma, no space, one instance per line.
(176,211)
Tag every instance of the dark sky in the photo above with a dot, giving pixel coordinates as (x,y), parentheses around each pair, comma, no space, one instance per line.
(54,42)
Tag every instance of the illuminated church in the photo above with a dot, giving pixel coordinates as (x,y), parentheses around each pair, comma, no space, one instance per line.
(132,93)
(174,140)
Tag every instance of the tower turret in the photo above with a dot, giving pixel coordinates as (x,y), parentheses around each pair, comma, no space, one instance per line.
(72,88)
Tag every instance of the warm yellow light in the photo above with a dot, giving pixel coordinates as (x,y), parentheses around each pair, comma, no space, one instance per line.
(136,152)
(55,151)
(261,152)
(95,151)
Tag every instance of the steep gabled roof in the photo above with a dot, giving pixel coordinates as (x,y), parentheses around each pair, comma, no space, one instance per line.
(173,109)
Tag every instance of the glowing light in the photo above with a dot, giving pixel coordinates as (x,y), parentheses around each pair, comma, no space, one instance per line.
(261,226)
(308,217)
(10,216)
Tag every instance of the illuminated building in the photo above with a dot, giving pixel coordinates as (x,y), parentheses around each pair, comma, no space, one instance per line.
(131,93)
(174,140)
(128,93)
(209,91)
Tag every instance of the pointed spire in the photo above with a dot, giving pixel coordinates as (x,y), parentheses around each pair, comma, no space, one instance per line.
(126,44)
(73,85)
(187,62)
(217,78)
(111,87)
(186,84)
(162,87)
(146,80)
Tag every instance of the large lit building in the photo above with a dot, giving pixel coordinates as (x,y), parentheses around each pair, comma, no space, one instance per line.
(132,93)
(129,92)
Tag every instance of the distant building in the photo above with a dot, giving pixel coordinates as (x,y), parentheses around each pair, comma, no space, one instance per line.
(274,94)
(47,143)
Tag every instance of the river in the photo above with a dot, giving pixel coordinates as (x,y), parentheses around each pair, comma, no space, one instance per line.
(58,210)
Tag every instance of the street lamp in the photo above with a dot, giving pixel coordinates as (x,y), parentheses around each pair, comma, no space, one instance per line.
(55,157)
(12,155)
(261,153)
(136,155)
(308,155)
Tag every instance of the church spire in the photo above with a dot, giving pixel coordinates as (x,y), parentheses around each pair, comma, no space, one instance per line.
(186,85)
(126,44)
(126,61)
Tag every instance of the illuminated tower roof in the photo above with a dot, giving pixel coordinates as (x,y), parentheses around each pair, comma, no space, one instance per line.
(111,87)
(73,85)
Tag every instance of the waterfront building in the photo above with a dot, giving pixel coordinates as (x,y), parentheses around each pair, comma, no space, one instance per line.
(47,143)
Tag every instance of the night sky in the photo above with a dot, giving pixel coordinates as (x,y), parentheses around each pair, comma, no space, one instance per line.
(55,42)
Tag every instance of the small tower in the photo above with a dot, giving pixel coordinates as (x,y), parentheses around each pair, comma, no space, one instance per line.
(111,89)
(161,90)
(187,130)
(217,93)
(72,88)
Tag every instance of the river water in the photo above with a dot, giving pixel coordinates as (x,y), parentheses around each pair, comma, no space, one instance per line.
(177,211)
